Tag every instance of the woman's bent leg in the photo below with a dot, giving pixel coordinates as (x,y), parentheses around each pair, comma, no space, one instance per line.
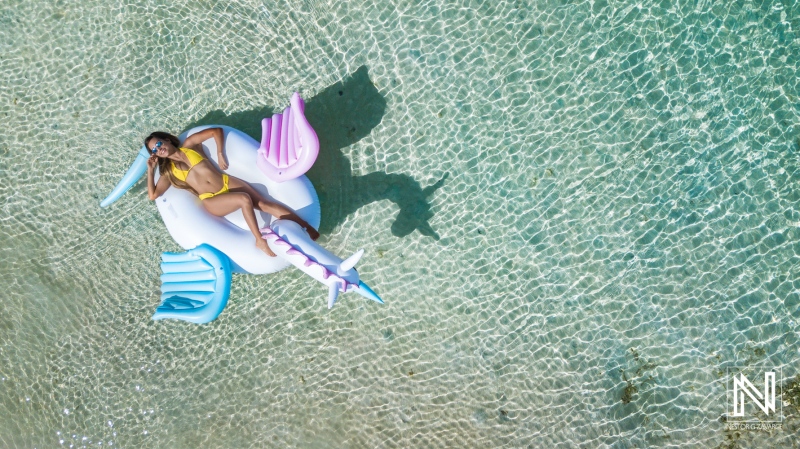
(223,204)
(277,210)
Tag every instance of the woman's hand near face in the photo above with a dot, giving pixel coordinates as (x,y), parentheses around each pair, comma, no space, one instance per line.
(151,162)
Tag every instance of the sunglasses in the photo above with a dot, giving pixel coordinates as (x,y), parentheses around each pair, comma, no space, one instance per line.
(156,147)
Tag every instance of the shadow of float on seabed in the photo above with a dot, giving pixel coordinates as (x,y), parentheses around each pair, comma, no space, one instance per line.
(343,114)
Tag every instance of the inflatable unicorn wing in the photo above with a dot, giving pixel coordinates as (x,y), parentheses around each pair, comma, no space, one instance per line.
(289,145)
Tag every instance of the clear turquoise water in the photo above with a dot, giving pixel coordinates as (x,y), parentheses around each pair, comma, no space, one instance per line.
(578,213)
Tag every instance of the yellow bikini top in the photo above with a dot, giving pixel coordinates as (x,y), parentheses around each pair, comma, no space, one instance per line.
(194,158)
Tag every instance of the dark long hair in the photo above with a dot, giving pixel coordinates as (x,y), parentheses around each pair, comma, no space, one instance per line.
(164,164)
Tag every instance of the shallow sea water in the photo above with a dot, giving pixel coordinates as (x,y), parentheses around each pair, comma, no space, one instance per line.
(579,215)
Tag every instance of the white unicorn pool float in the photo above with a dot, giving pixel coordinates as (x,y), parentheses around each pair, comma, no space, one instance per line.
(196,284)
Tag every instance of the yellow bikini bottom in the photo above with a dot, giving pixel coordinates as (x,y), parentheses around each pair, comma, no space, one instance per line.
(221,191)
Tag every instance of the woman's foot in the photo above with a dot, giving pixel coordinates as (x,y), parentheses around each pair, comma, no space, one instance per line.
(313,233)
(262,245)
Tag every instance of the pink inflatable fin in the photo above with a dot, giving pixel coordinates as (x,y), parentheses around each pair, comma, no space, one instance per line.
(289,145)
